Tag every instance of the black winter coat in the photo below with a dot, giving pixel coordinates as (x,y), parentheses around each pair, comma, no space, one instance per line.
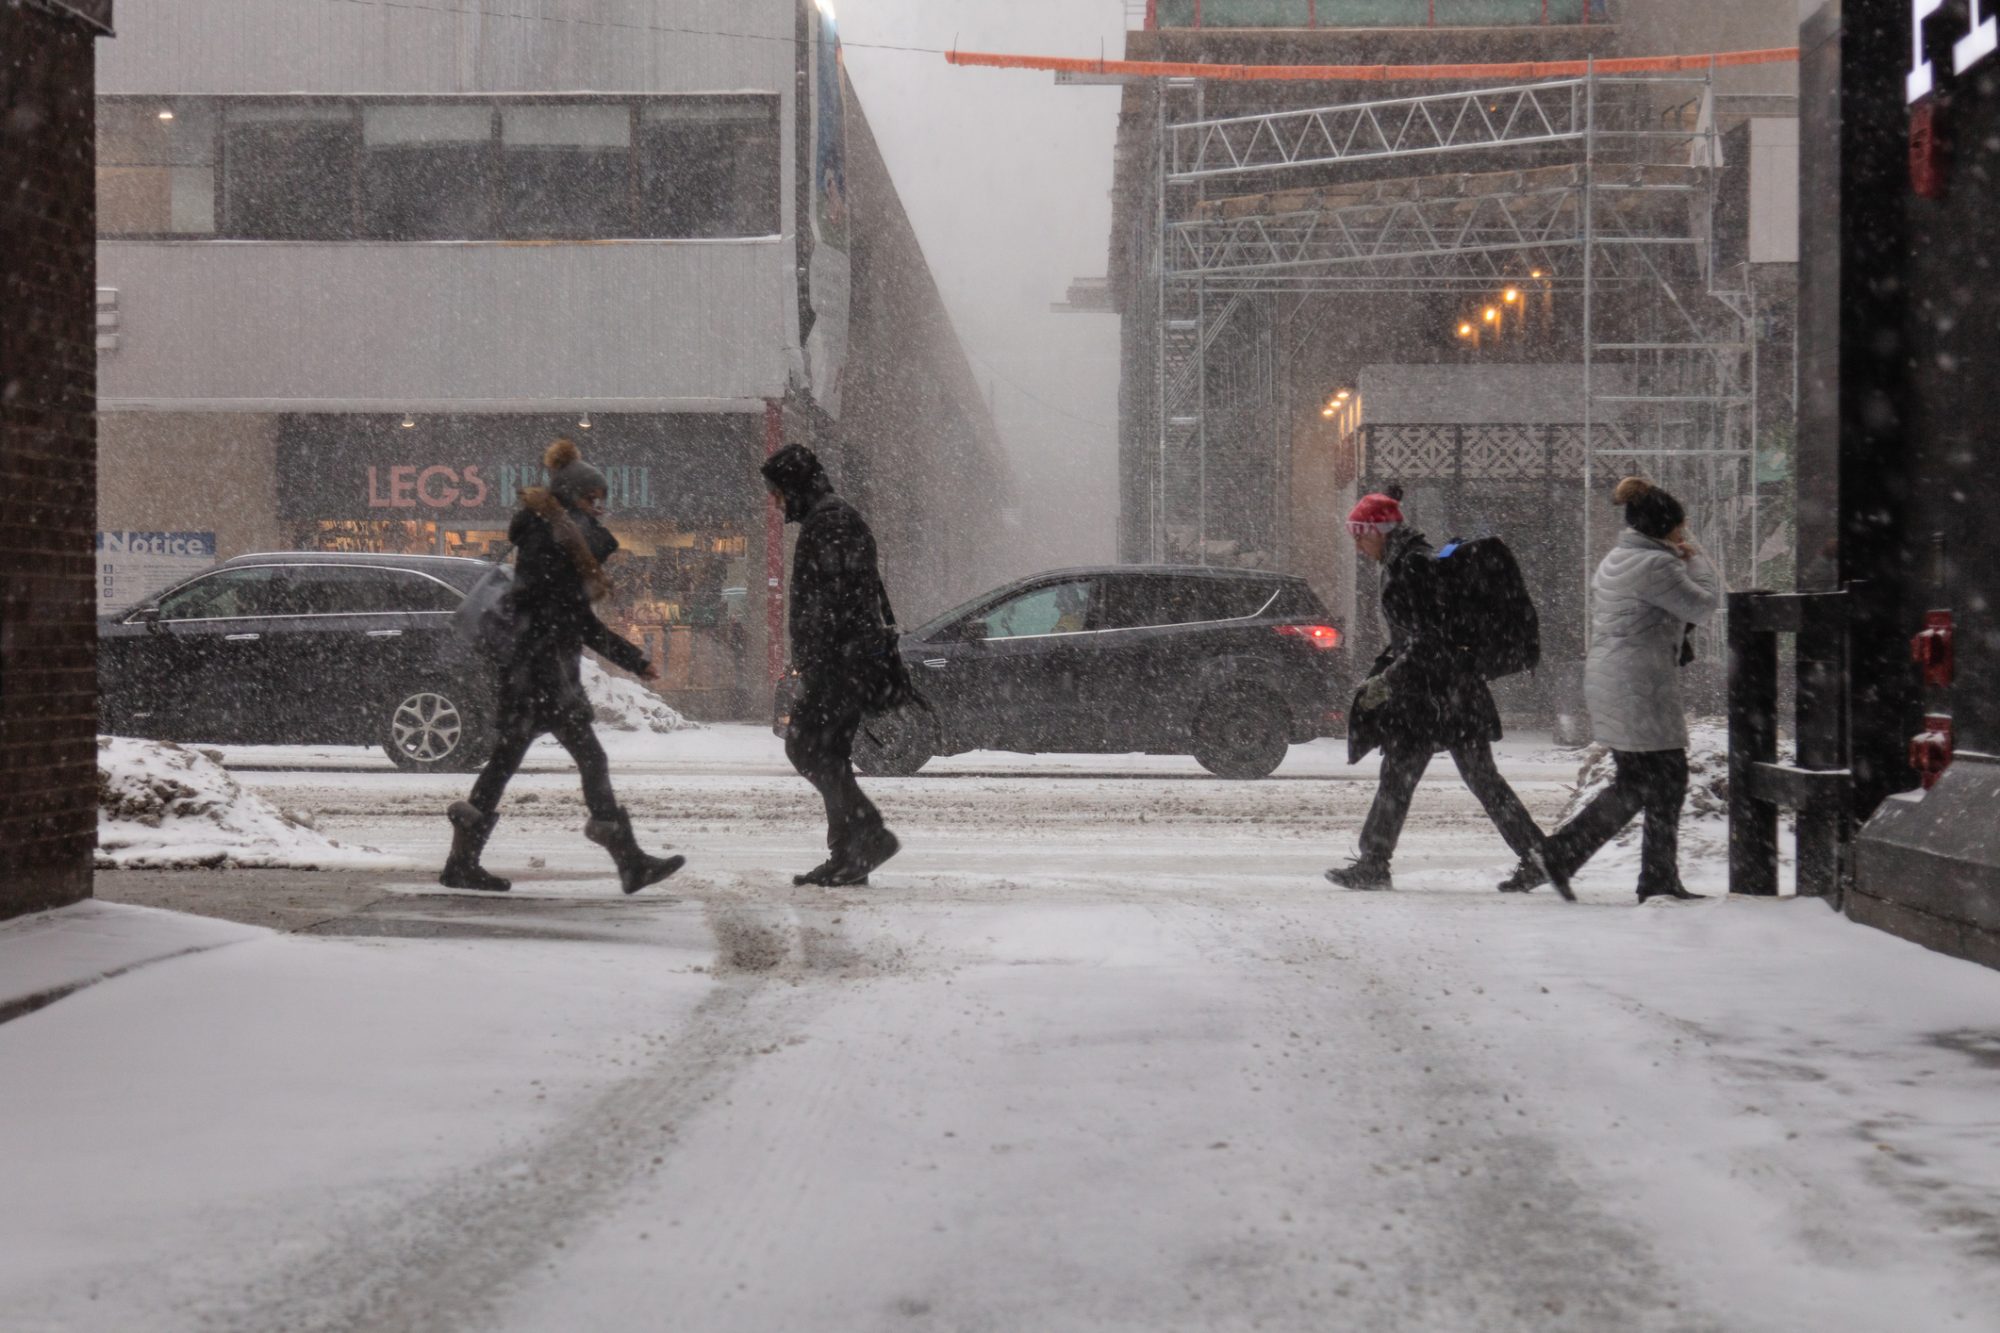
(1437,699)
(839,605)
(555,575)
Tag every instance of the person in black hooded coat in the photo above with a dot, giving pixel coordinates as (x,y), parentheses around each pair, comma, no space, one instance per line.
(839,622)
(560,550)
(1421,696)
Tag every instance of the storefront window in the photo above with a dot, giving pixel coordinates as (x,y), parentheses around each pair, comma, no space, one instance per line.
(684,492)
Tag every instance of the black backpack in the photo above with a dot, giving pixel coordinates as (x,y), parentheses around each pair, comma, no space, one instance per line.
(1492,615)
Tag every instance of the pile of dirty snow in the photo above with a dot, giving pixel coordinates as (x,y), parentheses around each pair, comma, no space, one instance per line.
(1704,839)
(162,806)
(627,705)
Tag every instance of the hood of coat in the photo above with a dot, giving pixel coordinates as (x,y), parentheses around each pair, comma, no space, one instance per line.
(1631,539)
(799,478)
(1635,549)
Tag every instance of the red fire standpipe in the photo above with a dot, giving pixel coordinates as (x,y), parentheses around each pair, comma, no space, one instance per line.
(1931,650)
(774,557)
(1931,752)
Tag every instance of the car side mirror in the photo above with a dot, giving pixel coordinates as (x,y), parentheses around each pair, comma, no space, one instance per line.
(149,616)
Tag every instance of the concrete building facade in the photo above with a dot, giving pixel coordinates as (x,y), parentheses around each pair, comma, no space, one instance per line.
(368,260)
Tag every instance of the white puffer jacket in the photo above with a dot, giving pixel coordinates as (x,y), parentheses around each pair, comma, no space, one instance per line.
(1641,601)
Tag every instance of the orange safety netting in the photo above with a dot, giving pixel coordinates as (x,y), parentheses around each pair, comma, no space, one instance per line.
(1524,69)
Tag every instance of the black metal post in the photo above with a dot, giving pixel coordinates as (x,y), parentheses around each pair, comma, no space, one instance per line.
(1753,740)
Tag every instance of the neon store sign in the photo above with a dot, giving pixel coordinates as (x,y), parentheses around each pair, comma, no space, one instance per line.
(1978,44)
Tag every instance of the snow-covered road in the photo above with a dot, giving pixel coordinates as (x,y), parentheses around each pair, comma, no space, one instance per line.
(1100,1051)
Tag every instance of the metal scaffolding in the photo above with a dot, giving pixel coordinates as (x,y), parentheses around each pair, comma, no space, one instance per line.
(1604,188)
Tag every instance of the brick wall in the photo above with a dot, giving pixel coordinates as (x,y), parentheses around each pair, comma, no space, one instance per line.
(48,458)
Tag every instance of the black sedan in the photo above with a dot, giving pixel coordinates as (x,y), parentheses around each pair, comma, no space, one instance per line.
(304,648)
(1232,667)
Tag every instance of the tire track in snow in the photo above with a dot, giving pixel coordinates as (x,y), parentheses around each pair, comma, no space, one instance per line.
(446,1258)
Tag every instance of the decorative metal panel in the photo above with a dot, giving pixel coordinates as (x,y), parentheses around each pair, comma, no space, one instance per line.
(1492,452)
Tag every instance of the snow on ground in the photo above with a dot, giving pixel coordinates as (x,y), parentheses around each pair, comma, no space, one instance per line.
(623,704)
(164,805)
(1100,1051)
(51,952)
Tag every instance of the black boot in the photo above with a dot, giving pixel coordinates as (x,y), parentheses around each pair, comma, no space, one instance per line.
(1536,869)
(635,868)
(821,874)
(470,828)
(1676,890)
(859,858)
(1362,874)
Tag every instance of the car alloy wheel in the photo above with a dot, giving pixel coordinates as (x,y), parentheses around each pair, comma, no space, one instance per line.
(425,730)
(1243,736)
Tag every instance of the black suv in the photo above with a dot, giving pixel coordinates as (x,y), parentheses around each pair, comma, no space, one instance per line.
(304,648)
(1232,667)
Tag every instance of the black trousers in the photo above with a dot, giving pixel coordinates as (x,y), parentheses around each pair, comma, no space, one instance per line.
(1403,769)
(1655,781)
(526,713)
(820,744)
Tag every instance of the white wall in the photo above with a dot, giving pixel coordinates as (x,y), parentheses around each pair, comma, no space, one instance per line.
(615,325)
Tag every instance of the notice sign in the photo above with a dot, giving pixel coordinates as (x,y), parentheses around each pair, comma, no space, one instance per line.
(133,566)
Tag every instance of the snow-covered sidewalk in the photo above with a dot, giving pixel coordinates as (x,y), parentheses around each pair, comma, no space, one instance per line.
(1100,1051)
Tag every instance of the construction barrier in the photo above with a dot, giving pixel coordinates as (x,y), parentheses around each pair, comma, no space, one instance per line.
(1521,69)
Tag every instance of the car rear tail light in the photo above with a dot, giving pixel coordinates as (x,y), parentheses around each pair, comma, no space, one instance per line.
(1319,636)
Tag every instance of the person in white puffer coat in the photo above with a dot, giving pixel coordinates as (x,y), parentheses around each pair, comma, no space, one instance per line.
(1653,587)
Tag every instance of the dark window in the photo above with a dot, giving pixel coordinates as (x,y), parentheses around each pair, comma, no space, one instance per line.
(708,167)
(289,171)
(1299,601)
(1136,601)
(1196,600)
(566,171)
(326,590)
(295,168)
(402,590)
(227,594)
(427,172)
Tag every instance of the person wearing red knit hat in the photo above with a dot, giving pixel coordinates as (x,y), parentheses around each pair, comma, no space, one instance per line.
(1421,696)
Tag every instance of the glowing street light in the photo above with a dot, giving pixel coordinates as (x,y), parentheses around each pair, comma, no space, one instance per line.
(1465,330)
(1343,395)
(1326,411)
(1512,295)
(1492,314)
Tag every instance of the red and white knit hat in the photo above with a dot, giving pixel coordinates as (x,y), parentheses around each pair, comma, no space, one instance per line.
(1374,513)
